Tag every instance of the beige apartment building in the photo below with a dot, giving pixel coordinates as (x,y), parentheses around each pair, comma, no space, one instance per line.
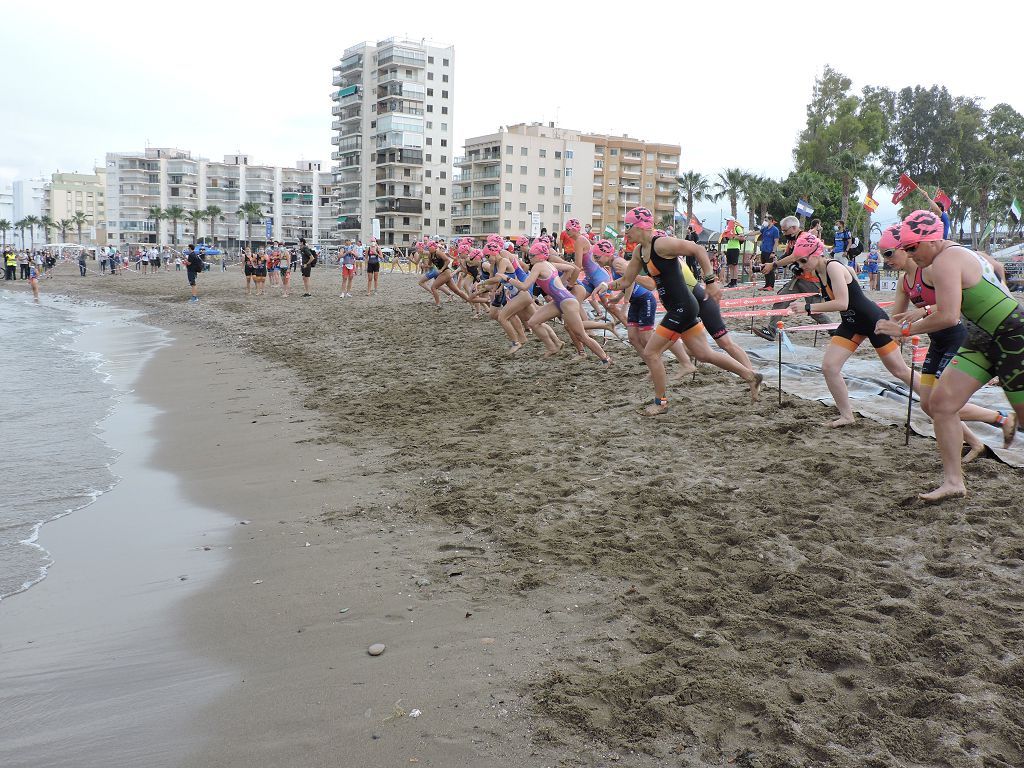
(531,176)
(522,179)
(629,172)
(70,193)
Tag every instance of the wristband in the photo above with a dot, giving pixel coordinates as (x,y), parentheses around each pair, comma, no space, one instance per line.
(807,306)
(928,310)
(709,279)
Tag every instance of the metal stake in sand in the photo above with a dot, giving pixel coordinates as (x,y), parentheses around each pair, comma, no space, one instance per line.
(914,342)
(778,328)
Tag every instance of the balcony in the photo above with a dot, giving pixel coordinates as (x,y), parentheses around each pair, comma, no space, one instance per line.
(672,161)
(400,206)
(392,174)
(387,190)
(400,157)
(349,223)
(485,210)
(399,107)
(491,173)
(349,63)
(488,193)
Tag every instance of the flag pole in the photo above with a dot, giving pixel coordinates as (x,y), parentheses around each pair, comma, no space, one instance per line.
(914,342)
(778,327)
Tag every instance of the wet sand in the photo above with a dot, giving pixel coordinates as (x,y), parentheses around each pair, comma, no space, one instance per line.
(729,584)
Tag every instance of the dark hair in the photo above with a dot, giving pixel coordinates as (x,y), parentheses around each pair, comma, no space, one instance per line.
(302,240)
(941,206)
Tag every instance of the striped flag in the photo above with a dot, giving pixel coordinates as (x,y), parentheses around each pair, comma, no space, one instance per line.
(870,203)
(1015,210)
(610,231)
(803,208)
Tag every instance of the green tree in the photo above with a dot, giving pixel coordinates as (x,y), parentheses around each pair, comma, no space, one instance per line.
(64,225)
(693,186)
(32,222)
(195,217)
(173,214)
(729,184)
(871,176)
(822,192)
(156,215)
(21,225)
(842,132)
(5,227)
(80,219)
(46,223)
(250,212)
(213,213)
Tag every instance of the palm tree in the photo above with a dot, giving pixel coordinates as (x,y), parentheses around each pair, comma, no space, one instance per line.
(172,214)
(21,226)
(729,184)
(5,227)
(64,225)
(871,176)
(47,224)
(80,219)
(32,222)
(753,189)
(195,217)
(212,213)
(693,186)
(156,213)
(250,211)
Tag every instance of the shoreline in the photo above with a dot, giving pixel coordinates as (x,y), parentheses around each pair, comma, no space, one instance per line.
(584,604)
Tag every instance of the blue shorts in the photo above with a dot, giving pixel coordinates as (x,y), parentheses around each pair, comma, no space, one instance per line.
(642,311)
(594,279)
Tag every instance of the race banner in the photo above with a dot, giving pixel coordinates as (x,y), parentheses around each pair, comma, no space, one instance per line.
(904,188)
(870,203)
(697,226)
(942,199)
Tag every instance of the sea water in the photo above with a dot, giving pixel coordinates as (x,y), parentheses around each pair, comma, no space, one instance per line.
(56,389)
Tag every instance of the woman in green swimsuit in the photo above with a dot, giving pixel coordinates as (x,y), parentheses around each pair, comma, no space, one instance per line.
(965,284)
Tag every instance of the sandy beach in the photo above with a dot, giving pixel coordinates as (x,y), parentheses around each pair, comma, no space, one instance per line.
(558,580)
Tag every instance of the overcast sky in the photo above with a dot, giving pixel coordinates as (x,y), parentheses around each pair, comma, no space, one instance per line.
(729,81)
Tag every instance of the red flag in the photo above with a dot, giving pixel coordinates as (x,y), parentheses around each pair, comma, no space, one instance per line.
(942,198)
(904,188)
(870,203)
(697,227)
(730,229)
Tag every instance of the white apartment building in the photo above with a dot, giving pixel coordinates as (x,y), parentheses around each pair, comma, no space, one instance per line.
(522,179)
(295,202)
(393,140)
(28,197)
(71,193)
(7,202)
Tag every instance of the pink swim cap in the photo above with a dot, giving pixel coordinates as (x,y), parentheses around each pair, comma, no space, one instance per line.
(641,218)
(464,247)
(475,253)
(492,247)
(522,240)
(545,239)
(808,245)
(420,247)
(604,247)
(660,233)
(573,225)
(890,238)
(921,227)
(539,251)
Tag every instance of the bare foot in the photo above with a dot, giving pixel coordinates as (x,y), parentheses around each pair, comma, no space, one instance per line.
(606,363)
(553,352)
(655,409)
(842,421)
(944,491)
(1009,428)
(682,372)
(973,453)
(755,387)
(514,348)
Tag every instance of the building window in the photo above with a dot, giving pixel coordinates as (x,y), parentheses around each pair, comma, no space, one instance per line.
(541,171)
(444,110)
(568,207)
(444,206)
(649,185)
(430,59)
(543,153)
(427,190)
(509,149)
(540,190)
(558,173)
(558,154)
(613,151)
(598,165)
(508,205)
(444,78)
(444,191)
(427,173)
(430,91)
(650,156)
(444,94)
(508,186)
(540,208)
(430,107)
(405,220)
(555,210)
(444,143)
(444,126)
(508,168)
(557,190)
(430,75)
(426,222)
(522,169)
(429,125)
(522,189)
(444,174)
(650,171)
(568,172)
(568,154)
(440,222)
(522,224)
(522,206)
(444,62)
(429,157)
(524,151)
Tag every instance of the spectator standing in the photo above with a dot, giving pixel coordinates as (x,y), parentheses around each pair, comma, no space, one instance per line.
(769,237)
(873,267)
(732,254)
(193,266)
(10,265)
(308,258)
(23,265)
(841,244)
(692,236)
(81,262)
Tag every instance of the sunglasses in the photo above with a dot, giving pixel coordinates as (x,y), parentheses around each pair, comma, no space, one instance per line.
(887,254)
(628,227)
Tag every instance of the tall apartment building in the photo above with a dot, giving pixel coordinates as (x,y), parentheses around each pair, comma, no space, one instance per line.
(7,202)
(393,140)
(28,195)
(630,172)
(506,178)
(521,175)
(71,193)
(296,201)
